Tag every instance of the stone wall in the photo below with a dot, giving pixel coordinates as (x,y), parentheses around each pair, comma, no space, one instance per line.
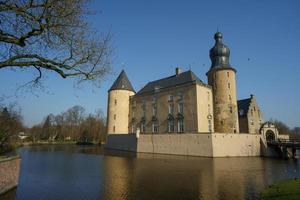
(176,144)
(231,145)
(125,142)
(205,145)
(9,173)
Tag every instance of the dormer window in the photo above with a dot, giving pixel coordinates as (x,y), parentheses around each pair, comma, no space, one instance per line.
(170,98)
(156,89)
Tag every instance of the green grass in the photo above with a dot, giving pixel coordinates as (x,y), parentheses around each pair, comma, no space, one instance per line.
(285,190)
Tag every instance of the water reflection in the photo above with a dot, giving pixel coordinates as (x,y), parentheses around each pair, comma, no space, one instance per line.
(73,172)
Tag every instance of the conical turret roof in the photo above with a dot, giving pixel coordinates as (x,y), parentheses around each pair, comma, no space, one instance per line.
(122,83)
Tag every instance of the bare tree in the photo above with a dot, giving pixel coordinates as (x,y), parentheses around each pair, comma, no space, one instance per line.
(52,35)
(10,125)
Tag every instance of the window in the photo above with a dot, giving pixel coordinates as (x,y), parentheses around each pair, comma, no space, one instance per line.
(143,127)
(208,96)
(241,112)
(180,108)
(154,110)
(154,127)
(229,97)
(134,104)
(230,109)
(133,114)
(156,89)
(228,74)
(115,101)
(114,129)
(171,126)
(254,108)
(180,96)
(251,112)
(252,123)
(144,108)
(180,126)
(209,110)
(170,98)
(154,100)
(132,128)
(171,109)
(115,116)
(229,85)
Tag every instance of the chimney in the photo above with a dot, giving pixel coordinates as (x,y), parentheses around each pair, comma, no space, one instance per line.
(178,71)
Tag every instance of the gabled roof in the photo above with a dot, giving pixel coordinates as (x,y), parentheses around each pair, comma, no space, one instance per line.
(244,105)
(182,78)
(122,83)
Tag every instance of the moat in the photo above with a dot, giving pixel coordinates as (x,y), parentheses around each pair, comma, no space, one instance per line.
(77,172)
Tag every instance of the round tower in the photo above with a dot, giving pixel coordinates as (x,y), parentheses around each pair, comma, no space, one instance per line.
(221,77)
(118,105)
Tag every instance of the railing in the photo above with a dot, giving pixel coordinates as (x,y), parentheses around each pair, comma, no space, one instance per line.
(285,142)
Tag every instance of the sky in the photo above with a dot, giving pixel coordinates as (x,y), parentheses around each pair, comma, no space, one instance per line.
(151,38)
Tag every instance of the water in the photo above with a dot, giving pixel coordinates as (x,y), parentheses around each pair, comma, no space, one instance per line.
(74,172)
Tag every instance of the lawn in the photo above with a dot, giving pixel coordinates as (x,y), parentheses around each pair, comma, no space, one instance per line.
(285,190)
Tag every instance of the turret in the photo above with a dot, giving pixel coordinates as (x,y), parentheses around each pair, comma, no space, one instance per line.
(221,77)
(118,105)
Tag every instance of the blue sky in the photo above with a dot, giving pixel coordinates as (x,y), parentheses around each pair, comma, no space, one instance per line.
(152,37)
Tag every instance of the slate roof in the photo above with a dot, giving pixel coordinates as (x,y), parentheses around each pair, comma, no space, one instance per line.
(122,83)
(182,78)
(244,105)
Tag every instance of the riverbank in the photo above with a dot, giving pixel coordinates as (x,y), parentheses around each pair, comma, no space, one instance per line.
(44,143)
(9,173)
(285,190)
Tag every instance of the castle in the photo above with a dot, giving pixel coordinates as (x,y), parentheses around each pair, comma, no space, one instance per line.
(183,115)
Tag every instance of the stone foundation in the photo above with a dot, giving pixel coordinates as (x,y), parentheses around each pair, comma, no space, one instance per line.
(9,173)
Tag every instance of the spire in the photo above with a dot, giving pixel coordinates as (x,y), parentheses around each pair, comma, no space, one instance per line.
(220,53)
(122,83)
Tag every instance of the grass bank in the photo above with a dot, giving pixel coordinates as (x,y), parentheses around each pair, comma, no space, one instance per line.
(284,190)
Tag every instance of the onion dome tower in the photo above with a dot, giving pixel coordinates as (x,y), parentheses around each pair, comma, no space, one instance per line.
(118,105)
(221,77)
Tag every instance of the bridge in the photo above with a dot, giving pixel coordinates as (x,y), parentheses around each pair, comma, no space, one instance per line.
(285,148)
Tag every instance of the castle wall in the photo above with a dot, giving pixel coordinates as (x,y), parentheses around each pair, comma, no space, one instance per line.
(124,142)
(176,144)
(204,109)
(225,100)
(118,111)
(232,145)
(204,145)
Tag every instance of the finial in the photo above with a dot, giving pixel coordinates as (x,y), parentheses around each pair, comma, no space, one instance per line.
(218,36)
